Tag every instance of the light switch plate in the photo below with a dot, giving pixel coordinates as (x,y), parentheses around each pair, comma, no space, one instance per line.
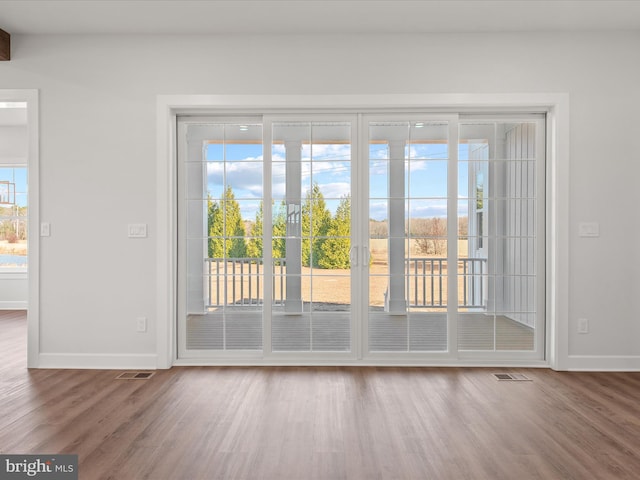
(583,325)
(589,229)
(45,229)
(137,230)
(141,324)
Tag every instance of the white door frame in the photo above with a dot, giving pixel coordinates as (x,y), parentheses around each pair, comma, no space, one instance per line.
(557,206)
(30,96)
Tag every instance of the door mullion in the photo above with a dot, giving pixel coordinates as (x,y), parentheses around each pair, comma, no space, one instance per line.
(452,239)
(357,239)
(267,236)
(362,228)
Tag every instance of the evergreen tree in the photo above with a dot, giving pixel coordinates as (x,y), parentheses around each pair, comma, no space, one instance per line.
(215,229)
(226,228)
(316,219)
(254,247)
(335,249)
(236,245)
(279,232)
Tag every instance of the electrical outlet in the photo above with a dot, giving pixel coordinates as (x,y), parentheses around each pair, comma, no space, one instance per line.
(141,324)
(583,325)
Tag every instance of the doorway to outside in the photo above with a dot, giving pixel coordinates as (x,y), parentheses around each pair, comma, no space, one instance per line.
(19,184)
(13,205)
(361,238)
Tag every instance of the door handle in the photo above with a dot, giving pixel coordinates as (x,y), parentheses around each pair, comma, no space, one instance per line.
(366,256)
(353,256)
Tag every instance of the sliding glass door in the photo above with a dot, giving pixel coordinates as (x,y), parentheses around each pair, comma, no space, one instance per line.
(409,219)
(456,235)
(221,266)
(311,192)
(501,178)
(361,238)
(265,237)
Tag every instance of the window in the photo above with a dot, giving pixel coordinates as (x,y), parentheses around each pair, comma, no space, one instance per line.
(13,218)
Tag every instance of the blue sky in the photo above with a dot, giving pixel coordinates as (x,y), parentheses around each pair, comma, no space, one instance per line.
(18,176)
(329,165)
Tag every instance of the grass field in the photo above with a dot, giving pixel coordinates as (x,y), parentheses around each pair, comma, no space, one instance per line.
(325,286)
(18,248)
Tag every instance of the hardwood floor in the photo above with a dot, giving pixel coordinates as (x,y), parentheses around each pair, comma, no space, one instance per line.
(320,423)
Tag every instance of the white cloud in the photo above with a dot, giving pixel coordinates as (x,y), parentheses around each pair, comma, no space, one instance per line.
(244,177)
(335,190)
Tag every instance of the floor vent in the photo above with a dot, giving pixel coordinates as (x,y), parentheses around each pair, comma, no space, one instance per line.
(513,377)
(135,376)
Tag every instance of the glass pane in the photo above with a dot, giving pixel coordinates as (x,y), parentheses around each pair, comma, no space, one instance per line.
(427,179)
(473,284)
(428,333)
(13,217)
(388,333)
(214,143)
(426,283)
(378,151)
(381,133)
(463,219)
(429,140)
(312,229)
(378,178)
(224,271)
(519,140)
(476,331)
(473,179)
(331,293)
(243,142)
(214,179)
(517,179)
(291,133)
(378,249)
(244,178)
(332,178)
(496,272)
(378,286)
(477,141)
(331,142)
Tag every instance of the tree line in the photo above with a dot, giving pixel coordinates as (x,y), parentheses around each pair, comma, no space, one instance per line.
(325,237)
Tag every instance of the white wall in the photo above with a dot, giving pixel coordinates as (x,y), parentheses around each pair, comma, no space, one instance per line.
(98,159)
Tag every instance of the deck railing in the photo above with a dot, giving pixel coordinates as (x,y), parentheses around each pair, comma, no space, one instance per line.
(238,282)
(243,281)
(427,282)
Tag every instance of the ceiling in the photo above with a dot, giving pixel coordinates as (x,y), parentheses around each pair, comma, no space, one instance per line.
(313,16)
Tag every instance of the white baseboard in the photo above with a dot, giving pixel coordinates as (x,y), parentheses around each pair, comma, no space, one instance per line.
(14,305)
(97,361)
(593,363)
(604,363)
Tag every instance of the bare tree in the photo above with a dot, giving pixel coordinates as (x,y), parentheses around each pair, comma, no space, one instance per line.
(378,228)
(430,235)
(463,227)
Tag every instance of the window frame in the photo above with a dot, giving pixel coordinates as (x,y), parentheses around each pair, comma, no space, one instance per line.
(555,105)
(17,271)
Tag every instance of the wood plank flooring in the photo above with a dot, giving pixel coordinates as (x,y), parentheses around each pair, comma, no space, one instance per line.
(320,423)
